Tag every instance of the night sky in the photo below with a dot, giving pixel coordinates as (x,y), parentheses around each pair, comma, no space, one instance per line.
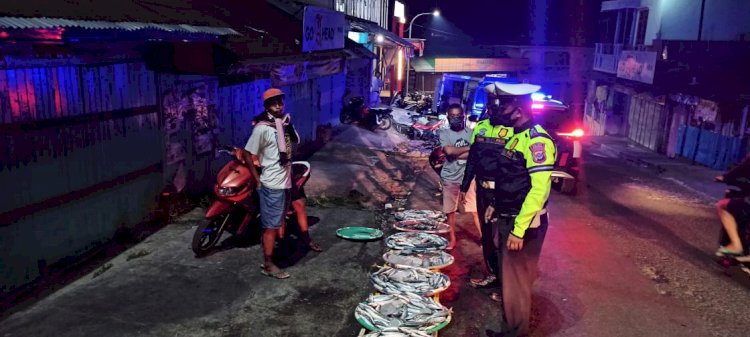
(561,22)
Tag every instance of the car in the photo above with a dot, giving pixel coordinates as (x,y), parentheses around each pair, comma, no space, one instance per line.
(555,117)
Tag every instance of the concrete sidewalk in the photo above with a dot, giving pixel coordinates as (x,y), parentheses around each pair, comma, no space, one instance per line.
(158,287)
(695,178)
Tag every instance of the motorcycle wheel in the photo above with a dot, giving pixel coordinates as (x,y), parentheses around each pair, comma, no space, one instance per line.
(208,234)
(385,124)
(344,118)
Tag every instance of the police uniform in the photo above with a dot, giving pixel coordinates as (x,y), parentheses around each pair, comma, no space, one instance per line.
(487,146)
(521,192)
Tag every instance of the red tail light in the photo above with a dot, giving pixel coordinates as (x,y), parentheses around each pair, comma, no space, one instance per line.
(577,133)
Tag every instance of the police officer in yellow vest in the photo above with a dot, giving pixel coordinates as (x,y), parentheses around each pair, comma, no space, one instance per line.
(487,146)
(521,192)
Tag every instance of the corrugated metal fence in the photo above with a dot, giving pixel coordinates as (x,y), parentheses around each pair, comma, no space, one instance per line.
(69,174)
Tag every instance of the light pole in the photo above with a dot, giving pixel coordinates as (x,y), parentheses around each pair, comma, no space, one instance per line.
(434,13)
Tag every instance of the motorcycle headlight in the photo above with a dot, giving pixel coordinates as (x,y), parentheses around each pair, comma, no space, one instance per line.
(229,191)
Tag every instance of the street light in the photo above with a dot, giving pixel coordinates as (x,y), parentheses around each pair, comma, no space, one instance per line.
(434,13)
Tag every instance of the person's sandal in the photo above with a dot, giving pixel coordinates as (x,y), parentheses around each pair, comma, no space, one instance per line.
(497,297)
(726,252)
(279,274)
(315,247)
(485,282)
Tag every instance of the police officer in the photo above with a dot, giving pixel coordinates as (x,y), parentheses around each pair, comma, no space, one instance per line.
(521,191)
(487,145)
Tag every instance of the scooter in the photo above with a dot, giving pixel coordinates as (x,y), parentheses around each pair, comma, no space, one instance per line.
(738,189)
(235,206)
(357,111)
(426,129)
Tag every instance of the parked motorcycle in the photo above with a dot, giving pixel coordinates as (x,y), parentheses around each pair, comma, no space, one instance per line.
(414,101)
(235,206)
(426,129)
(357,111)
(737,189)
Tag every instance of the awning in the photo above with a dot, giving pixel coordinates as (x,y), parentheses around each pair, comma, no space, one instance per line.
(423,65)
(361,25)
(39,23)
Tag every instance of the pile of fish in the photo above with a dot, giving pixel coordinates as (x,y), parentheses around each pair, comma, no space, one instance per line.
(402,279)
(429,260)
(398,332)
(416,242)
(402,310)
(422,225)
(416,214)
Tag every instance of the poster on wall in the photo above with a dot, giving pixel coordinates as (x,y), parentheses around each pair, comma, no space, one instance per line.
(637,66)
(322,29)
(175,153)
(706,111)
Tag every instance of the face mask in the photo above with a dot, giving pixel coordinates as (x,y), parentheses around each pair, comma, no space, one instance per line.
(499,118)
(456,124)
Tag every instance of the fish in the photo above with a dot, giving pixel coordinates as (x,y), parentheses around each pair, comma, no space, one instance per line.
(422,225)
(414,214)
(402,310)
(429,259)
(397,332)
(404,279)
(416,242)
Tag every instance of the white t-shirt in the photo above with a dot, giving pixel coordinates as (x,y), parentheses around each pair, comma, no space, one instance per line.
(263,144)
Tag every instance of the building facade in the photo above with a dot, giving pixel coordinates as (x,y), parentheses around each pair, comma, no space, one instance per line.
(669,76)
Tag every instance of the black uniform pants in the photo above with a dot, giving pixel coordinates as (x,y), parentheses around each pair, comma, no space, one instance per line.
(488,225)
(519,271)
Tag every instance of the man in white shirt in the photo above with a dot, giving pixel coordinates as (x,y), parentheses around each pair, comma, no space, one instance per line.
(271,144)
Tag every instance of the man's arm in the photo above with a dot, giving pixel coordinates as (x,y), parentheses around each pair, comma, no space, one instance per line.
(471,163)
(540,164)
(739,171)
(456,151)
(250,155)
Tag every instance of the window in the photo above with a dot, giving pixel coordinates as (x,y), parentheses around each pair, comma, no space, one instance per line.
(640,37)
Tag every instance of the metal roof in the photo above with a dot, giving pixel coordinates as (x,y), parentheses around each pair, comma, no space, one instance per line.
(363,25)
(41,23)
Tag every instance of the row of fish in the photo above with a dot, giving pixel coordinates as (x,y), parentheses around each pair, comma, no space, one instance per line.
(403,310)
(403,279)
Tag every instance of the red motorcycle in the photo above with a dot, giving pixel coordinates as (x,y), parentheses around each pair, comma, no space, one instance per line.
(235,204)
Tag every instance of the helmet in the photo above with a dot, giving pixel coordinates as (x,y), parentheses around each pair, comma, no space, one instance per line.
(508,89)
(437,159)
(271,93)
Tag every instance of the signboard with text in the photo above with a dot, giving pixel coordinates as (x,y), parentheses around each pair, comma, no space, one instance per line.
(322,29)
(446,65)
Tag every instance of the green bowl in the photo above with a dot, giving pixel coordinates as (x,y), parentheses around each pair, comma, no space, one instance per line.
(359,233)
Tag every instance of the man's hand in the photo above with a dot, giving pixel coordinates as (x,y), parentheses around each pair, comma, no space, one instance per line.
(461,198)
(719,179)
(514,243)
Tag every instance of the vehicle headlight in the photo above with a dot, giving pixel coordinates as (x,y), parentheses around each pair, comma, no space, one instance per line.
(229,191)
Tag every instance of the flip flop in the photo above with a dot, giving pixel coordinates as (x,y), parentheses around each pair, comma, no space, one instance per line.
(279,274)
(725,252)
(486,282)
(315,247)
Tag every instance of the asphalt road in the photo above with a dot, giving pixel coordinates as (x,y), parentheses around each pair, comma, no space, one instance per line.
(632,255)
